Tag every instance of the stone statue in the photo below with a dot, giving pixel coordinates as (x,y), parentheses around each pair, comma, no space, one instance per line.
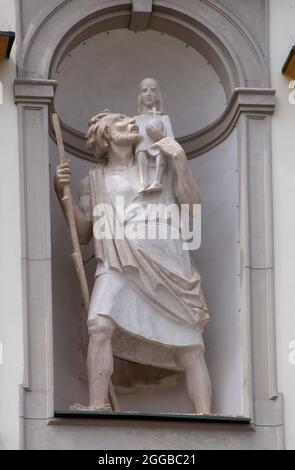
(153,126)
(147,304)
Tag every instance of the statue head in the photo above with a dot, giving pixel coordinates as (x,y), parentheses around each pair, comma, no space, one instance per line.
(109,128)
(150,96)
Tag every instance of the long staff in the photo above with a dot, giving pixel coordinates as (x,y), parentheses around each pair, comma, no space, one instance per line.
(67,203)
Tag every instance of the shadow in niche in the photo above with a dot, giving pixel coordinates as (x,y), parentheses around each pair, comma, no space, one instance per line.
(133,382)
(145,388)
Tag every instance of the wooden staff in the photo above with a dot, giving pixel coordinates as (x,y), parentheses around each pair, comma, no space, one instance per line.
(67,203)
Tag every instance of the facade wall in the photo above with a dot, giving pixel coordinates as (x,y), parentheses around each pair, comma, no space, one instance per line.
(282,37)
(10,258)
(240,60)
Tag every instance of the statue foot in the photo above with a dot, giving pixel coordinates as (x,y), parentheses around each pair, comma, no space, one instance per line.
(78,407)
(154,188)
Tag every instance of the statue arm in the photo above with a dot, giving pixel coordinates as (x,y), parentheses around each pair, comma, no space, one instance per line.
(186,189)
(82,210)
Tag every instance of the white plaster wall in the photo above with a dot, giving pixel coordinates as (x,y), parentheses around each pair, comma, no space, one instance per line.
(282,37)
(10,262)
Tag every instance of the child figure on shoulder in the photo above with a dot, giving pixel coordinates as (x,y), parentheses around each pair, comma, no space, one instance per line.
(153,125)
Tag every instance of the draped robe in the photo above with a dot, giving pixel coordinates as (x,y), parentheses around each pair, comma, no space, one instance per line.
(149,288)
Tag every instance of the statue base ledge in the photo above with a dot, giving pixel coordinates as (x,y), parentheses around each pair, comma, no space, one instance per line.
(131,415)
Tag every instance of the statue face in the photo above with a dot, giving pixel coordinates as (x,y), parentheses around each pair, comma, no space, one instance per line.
(149,92)
(124,130)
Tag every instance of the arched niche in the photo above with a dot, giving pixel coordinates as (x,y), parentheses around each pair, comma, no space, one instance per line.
(114,63)
(104,72)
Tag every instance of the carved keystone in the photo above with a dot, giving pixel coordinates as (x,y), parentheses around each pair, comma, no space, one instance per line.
(141,13)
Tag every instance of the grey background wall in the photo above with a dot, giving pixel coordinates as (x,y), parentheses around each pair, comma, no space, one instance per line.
(219,264)
(104,72)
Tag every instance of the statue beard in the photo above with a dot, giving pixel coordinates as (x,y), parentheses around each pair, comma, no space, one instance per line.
(125,139)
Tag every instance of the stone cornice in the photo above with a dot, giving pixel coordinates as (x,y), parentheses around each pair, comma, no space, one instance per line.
(34,90)
(243,100)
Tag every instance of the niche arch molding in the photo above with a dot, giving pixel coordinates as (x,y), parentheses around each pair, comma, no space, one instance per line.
(58,33)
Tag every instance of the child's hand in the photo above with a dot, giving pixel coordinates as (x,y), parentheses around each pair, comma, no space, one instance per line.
(154,133)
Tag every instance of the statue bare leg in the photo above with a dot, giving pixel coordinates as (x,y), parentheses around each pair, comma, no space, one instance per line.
(157,185)
(100,361)
(142,162)
(197,378)
(99,364)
